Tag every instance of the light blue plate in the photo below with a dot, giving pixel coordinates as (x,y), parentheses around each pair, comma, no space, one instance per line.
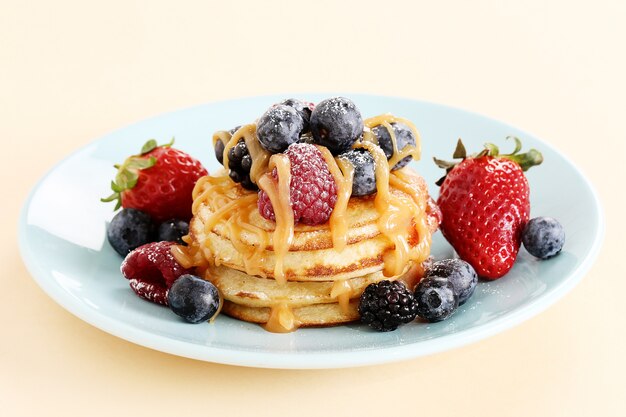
(63,243)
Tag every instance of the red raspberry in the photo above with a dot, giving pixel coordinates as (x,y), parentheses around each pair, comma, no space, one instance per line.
(313,189)
(152,269)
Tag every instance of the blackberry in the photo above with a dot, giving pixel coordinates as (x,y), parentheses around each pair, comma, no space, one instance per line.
(460,274)
(336,123)
(543,237)
(239,164)
(404,137)
(364,180)
(386,305)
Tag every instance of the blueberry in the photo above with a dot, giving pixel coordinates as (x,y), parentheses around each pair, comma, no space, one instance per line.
(303,110)
(364,180)
(194,299)
(219,150)
(460,274)
(336,123)
(172,231)
(279,127)
(436,299)
(543,237)
(129,229)
(404,136)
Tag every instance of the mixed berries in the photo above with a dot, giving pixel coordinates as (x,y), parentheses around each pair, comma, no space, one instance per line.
(294,127)
(484,201)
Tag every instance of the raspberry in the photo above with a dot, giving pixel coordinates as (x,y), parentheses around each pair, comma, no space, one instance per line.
(313,189)
(152,270)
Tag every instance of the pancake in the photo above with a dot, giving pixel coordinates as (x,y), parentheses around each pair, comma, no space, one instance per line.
(316,315)
(311,256)
(252,291)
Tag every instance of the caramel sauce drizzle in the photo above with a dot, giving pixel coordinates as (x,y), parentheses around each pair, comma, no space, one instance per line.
(343,174)
(279,195)
(342,291)
(281,319)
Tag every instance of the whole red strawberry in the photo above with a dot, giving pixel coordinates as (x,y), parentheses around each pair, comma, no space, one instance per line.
(313,191)
(158,181)
(485,204)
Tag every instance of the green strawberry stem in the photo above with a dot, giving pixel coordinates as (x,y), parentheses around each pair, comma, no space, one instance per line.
(525,160)
(128,172)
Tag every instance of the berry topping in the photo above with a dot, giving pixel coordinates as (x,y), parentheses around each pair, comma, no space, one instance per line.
(152,269)
(239,164)
(158,181)
(219,150)
(304,109)
(364,180)
(172,231)
(386,305)
(543,237)
(460,274)
(130,229)
(279,127)
(336,123)
(194,299)
(313,191)
(485,204)
(404,137)
(436,299)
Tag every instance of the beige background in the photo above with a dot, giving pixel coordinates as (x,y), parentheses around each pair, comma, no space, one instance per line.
(71,71)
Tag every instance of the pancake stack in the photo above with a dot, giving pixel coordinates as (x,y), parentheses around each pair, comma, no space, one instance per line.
(232,245)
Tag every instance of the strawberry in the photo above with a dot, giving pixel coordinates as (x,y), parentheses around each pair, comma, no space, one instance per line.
(157,181)
(484,200)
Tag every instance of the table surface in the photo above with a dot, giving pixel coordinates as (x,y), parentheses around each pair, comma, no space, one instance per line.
(72,71)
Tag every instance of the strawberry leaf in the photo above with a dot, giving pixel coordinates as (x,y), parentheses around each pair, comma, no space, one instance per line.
(140,163)
(128,173)
(518,144)
(460,151)
(492,149)
(148,146)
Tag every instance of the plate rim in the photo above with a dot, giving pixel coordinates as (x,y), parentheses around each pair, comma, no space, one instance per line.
(294,360)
